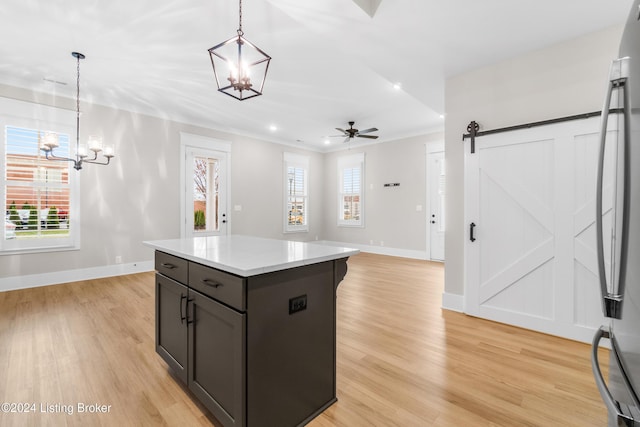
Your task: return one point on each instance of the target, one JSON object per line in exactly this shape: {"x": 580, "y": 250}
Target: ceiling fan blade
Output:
{"x": 368, "y": 130}
{"x": 368, "y": 136}
{"x": 342, "y": 130}
{"x": 347, "y": 139}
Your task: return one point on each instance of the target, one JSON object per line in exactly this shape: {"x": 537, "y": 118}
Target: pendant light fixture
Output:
{"x": 50, "y": 140}
{"x": 239, "y": 66}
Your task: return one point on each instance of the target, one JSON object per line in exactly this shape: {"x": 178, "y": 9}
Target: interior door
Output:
{"x": 205, "y": 192}
{"x": 436, "y": 185}
{"x": 530, "y": 254}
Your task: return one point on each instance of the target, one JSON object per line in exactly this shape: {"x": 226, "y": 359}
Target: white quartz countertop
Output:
{"x": 249, "y": 256}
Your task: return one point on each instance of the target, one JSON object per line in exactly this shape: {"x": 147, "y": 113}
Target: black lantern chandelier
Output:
{"x": 239, "y": 66}
{"x": 94, "y": 144}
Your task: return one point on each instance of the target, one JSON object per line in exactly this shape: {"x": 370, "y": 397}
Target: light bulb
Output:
{"x": 50, "y": 140}
{"x": 95, "y": 143}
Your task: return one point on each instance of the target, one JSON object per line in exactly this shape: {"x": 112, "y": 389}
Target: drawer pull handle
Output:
{"x": 211, "y": 283}
{"x": 168, "y": 265}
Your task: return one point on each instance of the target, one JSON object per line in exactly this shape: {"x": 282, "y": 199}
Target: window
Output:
{"x": 38, "y": 195}
{"x": 206, "y": 194}
{"x": 296, "y": 177}
{"x": 350, "y": 191}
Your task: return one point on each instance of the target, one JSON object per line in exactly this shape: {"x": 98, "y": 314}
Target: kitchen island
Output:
{"x": 248, "y": 324}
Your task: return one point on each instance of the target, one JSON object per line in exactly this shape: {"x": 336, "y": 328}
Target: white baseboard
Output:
{"x": 57, "y": 277}
{"x": 380, "y": 250}
{"x": 453, "y": 302}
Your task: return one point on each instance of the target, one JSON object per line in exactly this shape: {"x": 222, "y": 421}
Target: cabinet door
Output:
{"x": 171, "y": 326}
{"x": 217, "y": 358}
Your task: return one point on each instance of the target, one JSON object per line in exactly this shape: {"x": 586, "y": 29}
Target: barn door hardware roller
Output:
{"x": 474, "y": 132}
{"x": 472, "y": 128}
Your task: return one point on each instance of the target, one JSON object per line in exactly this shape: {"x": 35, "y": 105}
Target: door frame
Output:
{"x": 431, "y": 148}
{"x": 203, "y": 143}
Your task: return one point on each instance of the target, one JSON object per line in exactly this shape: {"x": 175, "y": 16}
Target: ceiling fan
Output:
{"x": 352, "y": 132}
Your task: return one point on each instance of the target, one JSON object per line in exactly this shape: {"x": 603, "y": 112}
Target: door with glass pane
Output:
{"x": 205, "y": 179}
{"x": 436, "y": 186}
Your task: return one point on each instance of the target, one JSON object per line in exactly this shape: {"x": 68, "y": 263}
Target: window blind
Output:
{"x": 296, "y": 193}
{"x": 350, "y": 194}
{"x": 37, "y": 191}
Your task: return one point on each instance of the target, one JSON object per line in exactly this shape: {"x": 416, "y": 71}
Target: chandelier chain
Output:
{"x": 78, "y": 104}
{"x": 240, "y": 32}
{"x": 95, "y": 142}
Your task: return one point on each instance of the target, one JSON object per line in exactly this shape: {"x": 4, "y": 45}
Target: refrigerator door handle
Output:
{"x": 612, "y": 301}
{"x": 612, "y": 405}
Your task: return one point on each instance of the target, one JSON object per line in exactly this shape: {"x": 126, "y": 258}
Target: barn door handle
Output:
{"x": 472, "y": 228}
{"x": 612, "y": 301}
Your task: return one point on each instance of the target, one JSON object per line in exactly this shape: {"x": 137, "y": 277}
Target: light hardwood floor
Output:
{"x": 402, "y": 361}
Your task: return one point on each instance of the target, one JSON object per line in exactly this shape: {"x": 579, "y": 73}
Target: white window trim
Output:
{"x": 37, "y": 116}
{"x": 191, "y": 141}
{"x": 351, "y": 161}
{"x": 298, "y": 161}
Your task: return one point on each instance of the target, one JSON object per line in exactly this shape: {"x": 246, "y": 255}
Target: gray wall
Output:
{"x": 137, "y": 198}
{"x": 562, "y": 80}
{"x": 390, "y": 213}
{"x": 257, "y": 177}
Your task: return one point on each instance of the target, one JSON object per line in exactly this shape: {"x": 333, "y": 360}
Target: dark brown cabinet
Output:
{"x": 171, "y": 329}
{"x": 256, "y": 351}
{"x": 217, "y": 358}
{"x": 202, "y": 340}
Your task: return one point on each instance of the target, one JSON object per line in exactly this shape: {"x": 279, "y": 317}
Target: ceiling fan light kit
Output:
{"x": 240, "y": 68}
{"x": 353, "y": 133}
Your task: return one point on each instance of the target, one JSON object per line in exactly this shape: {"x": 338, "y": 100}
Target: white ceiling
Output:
{"x": 332, "y": 61}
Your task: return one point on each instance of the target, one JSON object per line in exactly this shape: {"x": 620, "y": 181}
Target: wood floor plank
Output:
{"x": 401, "y": 359}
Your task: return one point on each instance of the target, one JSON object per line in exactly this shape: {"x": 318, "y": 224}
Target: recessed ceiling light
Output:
{"x": 397, "y": 86}
{"x": 273, "y": 128}
{"x": 327, "y": 142}
{"x": 442, "y": 116}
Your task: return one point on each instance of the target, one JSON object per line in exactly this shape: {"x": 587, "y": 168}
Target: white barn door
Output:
{"x": 530, "y": 218}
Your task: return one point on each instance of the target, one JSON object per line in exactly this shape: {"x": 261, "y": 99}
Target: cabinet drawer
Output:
{"x": 171, "y": 266}
{"x": 224, "y": 287}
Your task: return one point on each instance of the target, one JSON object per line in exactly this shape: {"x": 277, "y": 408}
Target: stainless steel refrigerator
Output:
{"x": 618, "y": 231}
